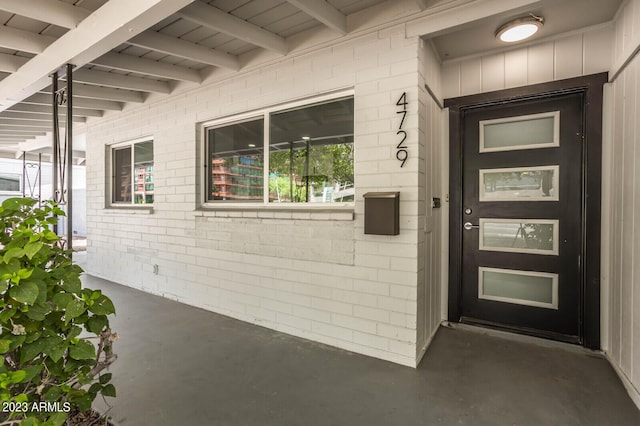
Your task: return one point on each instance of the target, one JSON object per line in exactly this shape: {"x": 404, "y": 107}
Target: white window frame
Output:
{"x": 265, "y": 115}
{"x": 110, "y": 173}
{"x": 20, "y": 183}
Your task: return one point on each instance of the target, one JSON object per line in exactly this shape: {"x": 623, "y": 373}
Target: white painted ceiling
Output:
{"x": 128, "y": 52}
{"x": 560, "y": 16}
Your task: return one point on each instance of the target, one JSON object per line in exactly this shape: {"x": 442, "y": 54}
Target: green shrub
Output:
{"x": 48, "y": 363}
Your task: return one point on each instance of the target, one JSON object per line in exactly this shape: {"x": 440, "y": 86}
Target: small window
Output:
{"x": 10, "y": 183}
{"x": 302, "y": 154}
{"x": 132, "y": 173}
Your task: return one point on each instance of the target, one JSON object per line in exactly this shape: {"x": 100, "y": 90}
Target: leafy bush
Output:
{"x": 48, "y": 364}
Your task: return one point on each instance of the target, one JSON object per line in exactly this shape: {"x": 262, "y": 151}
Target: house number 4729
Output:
{"x": 401, "y": 149}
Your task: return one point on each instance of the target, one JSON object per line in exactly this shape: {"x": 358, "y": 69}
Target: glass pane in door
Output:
{"x": 520, "y": 184}
{"x": 521, "y": 132}
{"x": 530, "y": 288}
{"x": 537, "y": 236}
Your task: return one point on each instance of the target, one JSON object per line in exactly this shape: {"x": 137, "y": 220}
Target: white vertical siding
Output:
{"x": 622, "y": 230}
{"x": 573, "y": 55}
{"x": 493, "y": 76}
{"x": 429, "y": 249}
{"x": 540, "y": 66}
{"x": 568, "y": 57}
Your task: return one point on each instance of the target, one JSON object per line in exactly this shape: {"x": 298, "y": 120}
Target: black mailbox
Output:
{"x": 382, "y": 213}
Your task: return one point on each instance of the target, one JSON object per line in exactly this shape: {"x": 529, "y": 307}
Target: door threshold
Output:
{"x": 523, "y": 338}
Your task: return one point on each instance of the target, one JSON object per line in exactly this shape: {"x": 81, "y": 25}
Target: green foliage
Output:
{"x": 48, "y": 363}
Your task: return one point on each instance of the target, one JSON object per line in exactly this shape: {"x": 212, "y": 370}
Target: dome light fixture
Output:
{"x": 520, "y": 29}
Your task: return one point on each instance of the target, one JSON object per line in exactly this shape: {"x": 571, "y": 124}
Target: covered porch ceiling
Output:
{"x": 126, "y": 53}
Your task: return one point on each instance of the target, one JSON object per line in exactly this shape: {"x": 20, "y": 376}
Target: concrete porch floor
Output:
{"x": 179, "y": 365}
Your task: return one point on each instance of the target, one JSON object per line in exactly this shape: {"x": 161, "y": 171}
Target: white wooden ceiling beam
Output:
{"x": 106, "y": 93}
{"x": 16, "y": 137}
{"x": 323, "y": 12}
{"x": 35, "y": 133}
{"x": 8, "y": 122}
{"x": 425, "y": 4}
{"x": 108, "y": 27}
{"x": 218, "y": 20}
{"x": 42, "y": 99}
{"x": 184, "y": 49}
{"x": 44, "y": 109}
{"x": 36, "y": 116}
{"x": 52, "y": 11}
{"x": 23, "y": 132}
{"x": 24, "y": 41}
{"x": 11, "y": 63}
{"x": 24, "y": 128}
{"x": 24, "y": 116}
{"x": 454, "y": 14}
{"x": 130, "y": 63}
{"x": 120, "y": 81}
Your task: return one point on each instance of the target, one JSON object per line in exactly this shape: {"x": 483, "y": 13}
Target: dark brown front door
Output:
{"x": 521, "y": 200}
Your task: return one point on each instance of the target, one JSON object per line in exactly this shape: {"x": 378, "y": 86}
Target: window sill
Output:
{"x": 291, "y": 212}
{"x": 115, "y": 209}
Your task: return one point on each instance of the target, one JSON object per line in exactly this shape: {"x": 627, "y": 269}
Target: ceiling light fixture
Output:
{"x": 520, "y": 29}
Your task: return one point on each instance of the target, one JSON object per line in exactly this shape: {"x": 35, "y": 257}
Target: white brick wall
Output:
{"x": 311, "y": 274}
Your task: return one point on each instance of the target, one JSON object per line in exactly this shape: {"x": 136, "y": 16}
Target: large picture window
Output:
{"x": 132, "y": 173}
{"x": 302, "y": 154}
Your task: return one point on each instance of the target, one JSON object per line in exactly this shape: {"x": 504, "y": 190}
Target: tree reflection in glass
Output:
{"x": 536, "y": 236}
{"x": 532, "y": 183}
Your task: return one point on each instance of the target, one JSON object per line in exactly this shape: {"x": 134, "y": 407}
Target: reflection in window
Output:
{"x": 519, "y": 184}
{"x": 9, "y": 182}
{"x": 519, "y": 235}
{"x": 311, "y": 154}
{"x": 122, "y": 175}
{"x": 235, "y": 155}
{"x": 132, "y": 171}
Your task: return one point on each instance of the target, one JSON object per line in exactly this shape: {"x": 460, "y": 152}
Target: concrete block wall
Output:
{"x": 306, "y": 272}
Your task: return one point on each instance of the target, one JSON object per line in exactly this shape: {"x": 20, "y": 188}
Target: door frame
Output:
{"x": 591, "y": 87}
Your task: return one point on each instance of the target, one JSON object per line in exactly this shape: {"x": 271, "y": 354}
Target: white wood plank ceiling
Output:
{"x": 124, "y": 50}
{"x": 127, "y": 52}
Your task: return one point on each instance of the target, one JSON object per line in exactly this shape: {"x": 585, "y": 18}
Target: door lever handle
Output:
{"x": 469, "y": 226}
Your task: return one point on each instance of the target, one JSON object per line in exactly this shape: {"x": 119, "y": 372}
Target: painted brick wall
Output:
{"x": 311, "y": 274}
